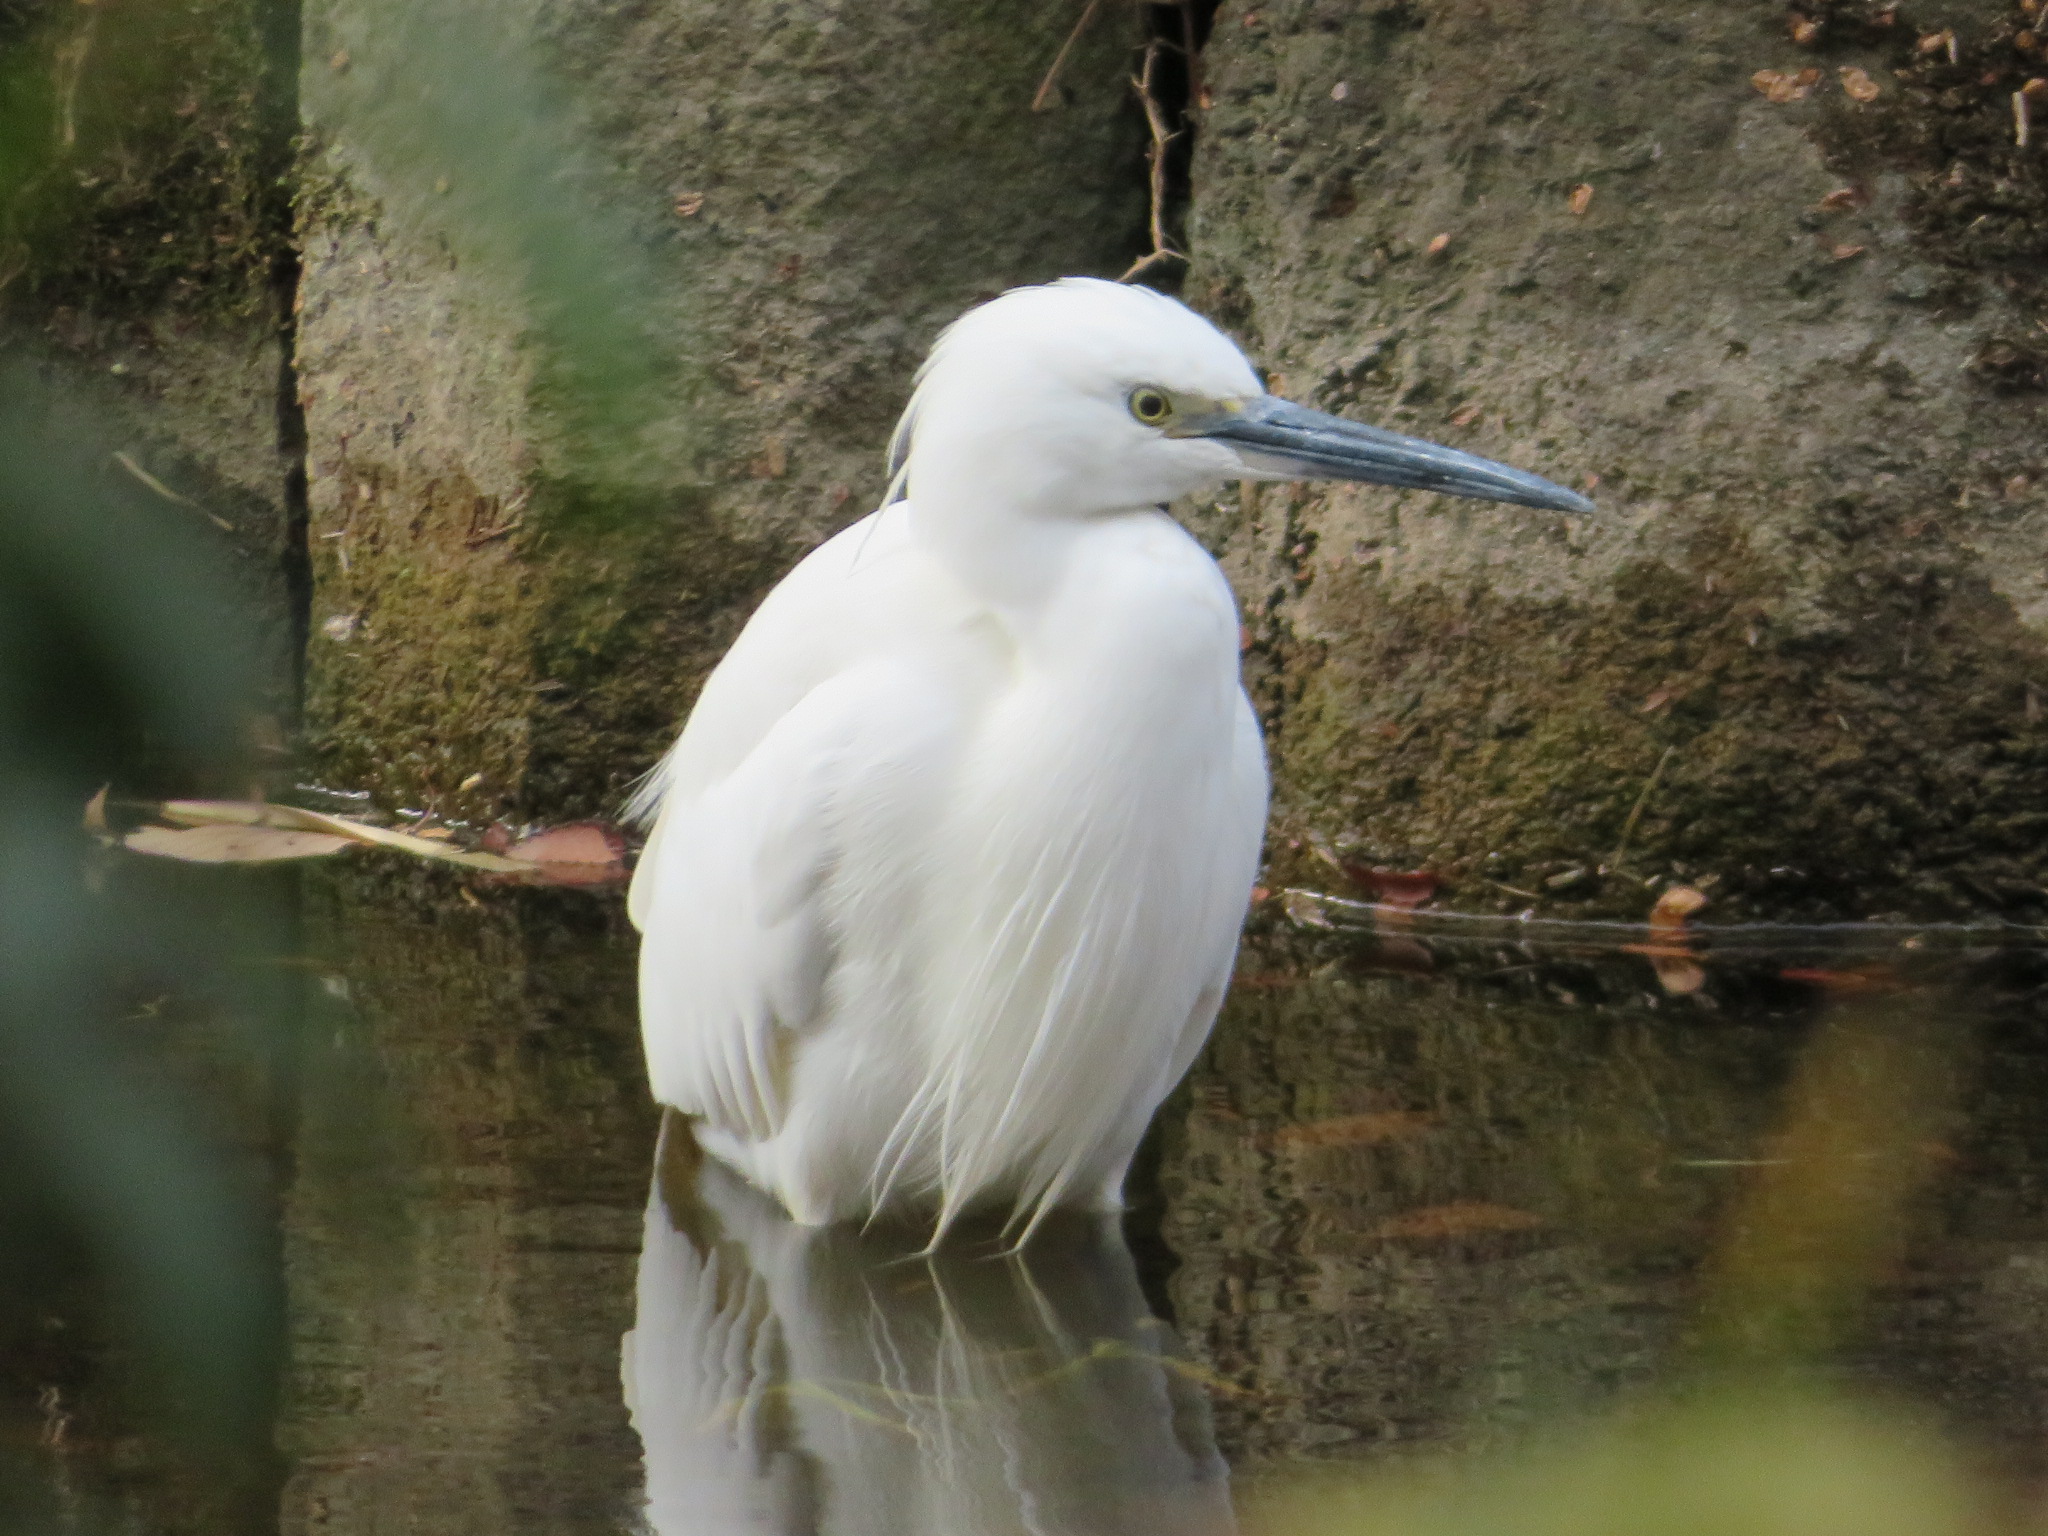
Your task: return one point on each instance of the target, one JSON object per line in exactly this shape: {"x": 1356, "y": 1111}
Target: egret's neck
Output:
{"x": 1005, "y": 525}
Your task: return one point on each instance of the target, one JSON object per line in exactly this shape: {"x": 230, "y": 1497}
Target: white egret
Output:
{"x": 945, "y": 883}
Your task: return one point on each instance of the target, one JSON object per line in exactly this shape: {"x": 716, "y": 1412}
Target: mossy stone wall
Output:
{"x": 145, "y": 261}
{"x": 1796, "y": 658}
{"x": 607, "y": 312}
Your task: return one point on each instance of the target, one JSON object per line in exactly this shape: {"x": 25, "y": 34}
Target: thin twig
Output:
{"x": 1628, "y": 827}
{"x": 1052, "y": 75}
{"x": 1163, "y": 135}
{"x": 127, "y": 462}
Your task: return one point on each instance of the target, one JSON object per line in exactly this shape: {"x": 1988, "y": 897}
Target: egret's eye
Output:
{"x": 1150, "y": 405}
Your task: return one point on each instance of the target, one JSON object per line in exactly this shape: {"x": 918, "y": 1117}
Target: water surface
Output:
{"x": 1426, "y": 1190}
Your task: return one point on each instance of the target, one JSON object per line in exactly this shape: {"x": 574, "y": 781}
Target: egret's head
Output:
{"x": 1086, "y": 396}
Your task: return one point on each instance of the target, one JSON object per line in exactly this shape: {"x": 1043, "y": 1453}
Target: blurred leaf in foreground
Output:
{"x": 1725, "y": 1465}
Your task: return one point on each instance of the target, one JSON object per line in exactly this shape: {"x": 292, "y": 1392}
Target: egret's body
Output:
{"x": 950, "y": 860}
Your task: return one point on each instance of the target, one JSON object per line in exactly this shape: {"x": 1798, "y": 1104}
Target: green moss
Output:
{"x": 535, "y": 674}
{"x": 644, "y": 594}
{"x": 1884, "y": 762}
{"x": 142, "y": 159}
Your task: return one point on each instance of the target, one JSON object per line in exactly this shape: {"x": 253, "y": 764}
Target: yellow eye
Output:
{"x": 1150, "y": 405}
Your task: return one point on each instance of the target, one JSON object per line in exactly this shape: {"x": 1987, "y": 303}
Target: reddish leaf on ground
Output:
{"x": 1670, "y": 950}
{"x": 1393, "y": 887}
{"x": 1460, "y": 1218}
{"x": 579, "y": 853}
{"x": 1668, "y": 916}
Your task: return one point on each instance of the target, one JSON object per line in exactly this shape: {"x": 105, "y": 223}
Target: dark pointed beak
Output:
{"x": 1283, "y": 441}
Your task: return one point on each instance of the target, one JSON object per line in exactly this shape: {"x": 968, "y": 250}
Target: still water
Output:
{"x": 1427, "y": 1190}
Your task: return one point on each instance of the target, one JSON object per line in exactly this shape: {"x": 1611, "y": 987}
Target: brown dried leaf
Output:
{"x": 1858, "y": 83}
{"x": 233, "y": 845}
{"x": 1582, "y": 197}
{"x": 1439, "y": 245}
{"x": 1846, "y": 252}
{"x": 1842, "y": 199}
{"x": 1460, "y": 1218}
{"x": 1352, "y": 1130}
{"x": 255, "y": 813}
{"x": 689, "y": 204}
{"x": 1804, "y": 29}
{"x": 1783, "y": 85}
{"x": 1466, "y": 417}
{"x": 1406, "y": 888}
{"x": 579, "y": 853}
{"x": 1668, "y": 916}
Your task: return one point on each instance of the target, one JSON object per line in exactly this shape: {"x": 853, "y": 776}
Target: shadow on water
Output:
{"x": 787, "y": 1380}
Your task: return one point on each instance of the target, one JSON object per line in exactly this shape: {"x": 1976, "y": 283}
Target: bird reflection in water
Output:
{"x": 789, "y": 1379}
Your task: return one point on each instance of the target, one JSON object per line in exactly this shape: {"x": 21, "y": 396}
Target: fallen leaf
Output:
{"x": 1668, "y": 916}
{"x": 255, "y": 813}
{"x": 1658, "y": 698}
{"x": 1783, "y": 85}
{"x": 232, "y": 845}
{"x": 578, "y": 842}
{"x": 1439, "y": 245}
{"x": 1405, "y": 888}
{"x": 1846, "y": 252}
{"x": 1582, "y": 197}
{"x": 689, "y": 204}
{"x": 1671, "y": 957}
{"x": 1460, "y": 1218}
{"x": 2035, "y": 89}
{"x": 1858, "y": 83}
{"x": 580, "y": 853}
{"x": 1842, "y": 199}
{"x": 1352, "y": 1130}
{"x": 1804, "y": 29}
{"x": 1466, "y": 417}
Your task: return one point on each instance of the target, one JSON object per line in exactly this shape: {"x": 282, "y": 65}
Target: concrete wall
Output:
{"x": 1793, "y": 345}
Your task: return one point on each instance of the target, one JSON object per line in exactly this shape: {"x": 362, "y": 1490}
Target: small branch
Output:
{"x": 1163, "y": 135}
{"x": 1628, "y": 827}
{"x": 127, "y": 462}
{"x": 1040, "y": 101}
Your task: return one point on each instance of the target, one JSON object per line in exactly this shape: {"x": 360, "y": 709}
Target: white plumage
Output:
{"x": 944, "y": 887}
